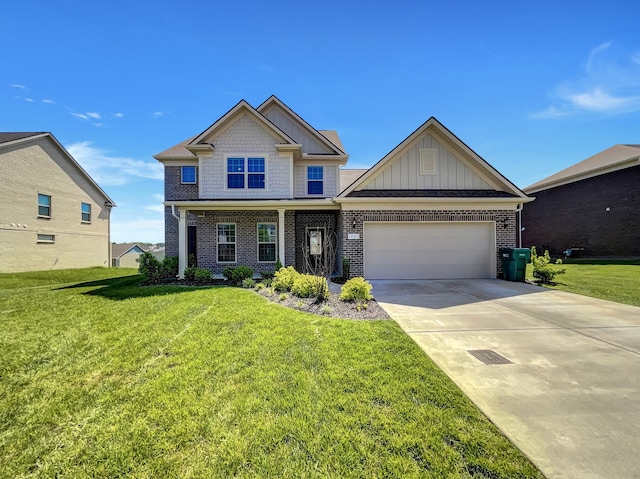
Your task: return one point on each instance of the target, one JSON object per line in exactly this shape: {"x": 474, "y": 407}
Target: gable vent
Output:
{"x": 428, "y": 161}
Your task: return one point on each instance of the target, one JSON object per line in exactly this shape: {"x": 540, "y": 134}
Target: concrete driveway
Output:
{"x": 569, "y": 396}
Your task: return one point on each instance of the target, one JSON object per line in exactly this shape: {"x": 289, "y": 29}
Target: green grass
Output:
{"x": 108, "y": 379}
{"x": 617, "y": 281}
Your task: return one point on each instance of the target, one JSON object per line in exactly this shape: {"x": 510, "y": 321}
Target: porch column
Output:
{"x": 182, "y": 242}
{"x": 281, "y": 227}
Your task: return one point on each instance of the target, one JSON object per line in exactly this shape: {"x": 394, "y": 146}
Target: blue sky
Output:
{"x": 532, "y": 88}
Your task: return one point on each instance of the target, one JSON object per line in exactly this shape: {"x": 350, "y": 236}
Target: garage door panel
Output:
{"x": 429, "y": 250}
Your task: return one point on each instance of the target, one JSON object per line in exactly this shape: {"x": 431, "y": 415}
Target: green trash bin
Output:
{"x": 514, "y": 263}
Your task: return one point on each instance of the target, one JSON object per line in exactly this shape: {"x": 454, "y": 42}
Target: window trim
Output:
{"x": 245, "y": 173}
{"x": 235, "y": 243}
{"x": 315, "y": 180}
{"x": 82, "y": 213}
{"x": 40, "y": 205}
{"x": 195, "y": 175}
{"x": 274, "y": 242}
{"x": 50, "y": 238}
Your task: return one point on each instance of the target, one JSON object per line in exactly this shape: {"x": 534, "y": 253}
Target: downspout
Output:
{"x": 173, "y": 211}
{"x": 519, "y": 210}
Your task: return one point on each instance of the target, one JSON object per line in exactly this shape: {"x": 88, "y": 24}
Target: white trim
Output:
{"x": 307, "y": 180}
{"x": 258, "y": 242}
{"x": 195, "y": 181}
{"x": 281, "y": 236}
{"x": 235, "y": 243}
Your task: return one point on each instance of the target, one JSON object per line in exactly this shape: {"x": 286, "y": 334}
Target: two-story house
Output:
{"x": 52, "y": 213}
{"x": 261, "y": 184}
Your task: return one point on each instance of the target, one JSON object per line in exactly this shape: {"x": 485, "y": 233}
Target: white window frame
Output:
{"x": 46, "y": 238}
{"x": 315, "y": 180}
{"x": 195, "y": 176}
{"x": 82, "y": 213}
{"x": 235, "y": 243}
{"x": 274, "y": 242}
{"x": 246, "y": 172}
{"x": 50, "y": 205}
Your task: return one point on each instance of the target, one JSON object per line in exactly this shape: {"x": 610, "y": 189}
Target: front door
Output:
{"x": 192, "y": 252}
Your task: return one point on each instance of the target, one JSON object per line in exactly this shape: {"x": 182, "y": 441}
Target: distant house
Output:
{"x": 261, "y": 184}
{"x": 126, "y": 255}
{"x": 592, "y": 207}
{"x": 52, "y": 213}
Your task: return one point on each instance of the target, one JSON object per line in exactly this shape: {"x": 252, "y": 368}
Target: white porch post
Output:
{"x": 182, "y": 242}
{"x": 281, "y": 248}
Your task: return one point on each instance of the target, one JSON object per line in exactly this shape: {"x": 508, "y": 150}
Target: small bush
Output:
{"x": 326, "y": 310}
{"x": 150, "y": 267}
{"x": 543, "y": 270}
{"x": 356, "y": 289}
{"x": 203, "y": 275}
{"x": 267, "y": 274}
{"x": 278, "y": 265}
{"x": 238, "y": 274}
{"x": 170, "y": 267}
{"x": 267, "y": 282}
{"x": 346, "y": 269}
{"x": 310, "y": 286}
{"x": 260, "y": 286}
{"x": 248, "y": 283}
{"x": 284, "y": 278}
{"x": 283, "y": 296}
{"x": 190, "y": 273}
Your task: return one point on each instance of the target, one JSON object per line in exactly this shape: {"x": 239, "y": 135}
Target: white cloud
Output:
{"x": 158, "y": 114}
{"x": 49, "y": 101}
{"x": 21, "y": 87}
{"x": 118, "y": 115}
{"x": 94, "y": 115}
{"x": 159, "y": 206}
{"x": 109, "y": 170}
{"x": 608, "y": 84}
{"x": 30, "y": 100}
{"x": 79, "y": 115}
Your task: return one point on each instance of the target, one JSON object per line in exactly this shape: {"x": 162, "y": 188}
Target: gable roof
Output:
{"x": 120, "y": 249}
{"x": 325, "y": 139}
{"x": 482, "y": 167}
{"x": 7, "y": 138}
{"x": 612, "y": 159}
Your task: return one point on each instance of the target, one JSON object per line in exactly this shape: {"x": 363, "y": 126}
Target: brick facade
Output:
{"x": 174, "y": 189}
{"x": 576, "y": 216}
{"x": 354, "y": 248}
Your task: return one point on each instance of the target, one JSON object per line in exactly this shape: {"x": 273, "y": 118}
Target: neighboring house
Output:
{"x": 126, "y": 255}
{"x": 261, "y": 184}
{"x": 592, "y": 207}
{"x": 52, "y": 214}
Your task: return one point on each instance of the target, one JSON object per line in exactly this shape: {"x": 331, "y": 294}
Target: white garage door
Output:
{"x": 429, "y": 250}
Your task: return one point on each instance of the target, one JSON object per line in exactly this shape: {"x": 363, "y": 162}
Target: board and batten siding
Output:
{"x": 244, "y": 138}
{"x": 404, "y": 172}
{"x": 295, "y": 131}
{"x": 330, "y": 181}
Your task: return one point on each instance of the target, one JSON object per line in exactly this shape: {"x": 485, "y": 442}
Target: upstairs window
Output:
{"x": 315, "y": 180}
{"x": 245, "y": 173}
{"x": 188, "y": 175}
{"x": 44, "y": 206}
{"x": 46, "y": 238}
{"x": 86, "y": 212}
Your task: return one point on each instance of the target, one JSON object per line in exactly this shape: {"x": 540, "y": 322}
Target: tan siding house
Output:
{"x": 52, "y": 213}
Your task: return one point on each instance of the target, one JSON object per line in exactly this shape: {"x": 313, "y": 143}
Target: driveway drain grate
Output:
{"x": 488, "y": 356}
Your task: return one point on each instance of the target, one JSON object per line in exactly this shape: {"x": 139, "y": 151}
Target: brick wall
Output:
{"x": 353, "y": 249}
{"x": 38, "y": 166}
{"x": 174, "y": 189}
{"x": 575, "y": 215}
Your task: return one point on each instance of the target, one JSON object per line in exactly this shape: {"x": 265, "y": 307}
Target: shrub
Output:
{"x": 190, "y": 273}
{"x": 203, "y": 275}
{"x": 260, "y": 286}
{"x": 356, "y": 289}
{"x": 248, "y": 283}
{"x": 283, "y": 296}
{"x": 543, "y": 270}
{"x": 267, "y": 274}
{"x": 170, "y": 267}
{"x": 278, "y": 265}
{"x": 310, "y": 286}
{"x": 238, "y": 274}
{"x": 284, "y": 278}
{"x": 346, "y": 269}
{"x": 150, "y": 267}
{"x": 267, "y": 282}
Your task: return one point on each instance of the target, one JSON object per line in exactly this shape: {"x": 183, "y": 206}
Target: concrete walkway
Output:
{"x": 570, "y": 396}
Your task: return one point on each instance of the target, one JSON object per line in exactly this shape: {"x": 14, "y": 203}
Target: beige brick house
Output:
{"x": 261, "y": 185}
{"x": 53, "y": 215}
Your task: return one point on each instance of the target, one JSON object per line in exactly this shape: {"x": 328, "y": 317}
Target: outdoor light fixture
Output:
{"x": 353, "y": 225}
{"x": 505, "y": 223}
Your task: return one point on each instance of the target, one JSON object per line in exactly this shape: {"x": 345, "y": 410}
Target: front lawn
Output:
{"x": 109, "y": 379}
{"x": 617, "y": 281}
